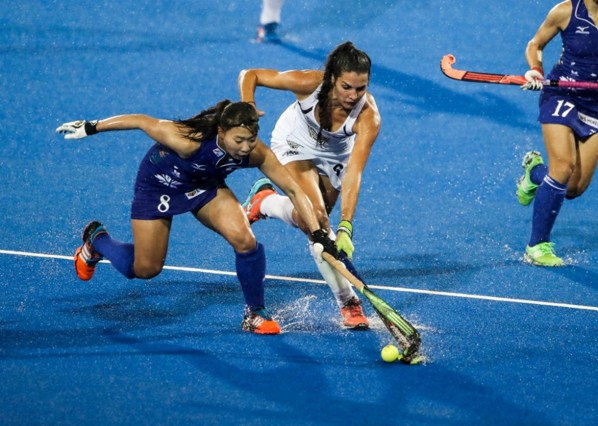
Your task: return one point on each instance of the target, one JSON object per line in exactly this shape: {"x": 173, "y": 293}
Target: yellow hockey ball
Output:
{"x": 389, "y": 353}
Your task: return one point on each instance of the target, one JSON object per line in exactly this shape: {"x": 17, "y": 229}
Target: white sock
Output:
{"x": 271, "y": 11}
{"x": 341, "y": 288}
{"x": 278, "y": 207}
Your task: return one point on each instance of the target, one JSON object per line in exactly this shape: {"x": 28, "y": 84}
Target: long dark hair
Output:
{"x": 225, "y": 114}
{"x": 344, "y": 58}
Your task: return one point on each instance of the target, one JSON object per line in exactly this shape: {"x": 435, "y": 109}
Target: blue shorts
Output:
{"x": 157, "y": 203}
{"x": 562, "y": 108}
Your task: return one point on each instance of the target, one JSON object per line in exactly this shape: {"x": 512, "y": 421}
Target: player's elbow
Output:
{"x": 245, "y": 75}
{"x": 533, "y": 46}
{"x": 241, "y": 76}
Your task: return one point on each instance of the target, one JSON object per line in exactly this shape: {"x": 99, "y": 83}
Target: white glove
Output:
{"x": 78, "y": 129}
{"x": 534, "y": 79}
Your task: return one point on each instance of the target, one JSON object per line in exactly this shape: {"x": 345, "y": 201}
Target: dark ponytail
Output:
{"x": 344, "y": 58}
{"x": 225, "y": 114}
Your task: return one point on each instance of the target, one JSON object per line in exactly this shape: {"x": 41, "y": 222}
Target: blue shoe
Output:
{"x": 261, "y": 189}
{"x": 267, "y": 33}
{"x": 526, "y": 189}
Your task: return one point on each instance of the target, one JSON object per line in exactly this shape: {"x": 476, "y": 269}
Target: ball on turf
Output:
{"x": 389, "y": 353}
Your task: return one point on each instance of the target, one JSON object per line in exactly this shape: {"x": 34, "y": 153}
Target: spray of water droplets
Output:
{"x": 297, "y": 315}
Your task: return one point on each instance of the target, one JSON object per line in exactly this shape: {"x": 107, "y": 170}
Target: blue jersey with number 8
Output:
{"x": 168, "y": 185}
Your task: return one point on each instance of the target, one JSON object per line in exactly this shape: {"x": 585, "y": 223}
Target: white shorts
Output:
{"x": 291, "y": 141}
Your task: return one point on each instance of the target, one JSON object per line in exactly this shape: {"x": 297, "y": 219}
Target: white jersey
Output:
{"x": 294, "y": 138}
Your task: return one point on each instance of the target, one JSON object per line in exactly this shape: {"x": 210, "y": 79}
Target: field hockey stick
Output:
{"x": 446, "y": 65}
{"x": 401, "y": 329}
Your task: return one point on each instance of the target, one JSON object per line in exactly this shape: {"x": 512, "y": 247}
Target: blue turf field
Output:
{"x": 439, "y": 233}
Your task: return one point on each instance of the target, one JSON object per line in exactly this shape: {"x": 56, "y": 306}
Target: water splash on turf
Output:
{"x": 297, "y": 315}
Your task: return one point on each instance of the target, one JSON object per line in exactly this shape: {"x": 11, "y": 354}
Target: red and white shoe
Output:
{"x": 259, "y": 321}
{"x": 353, "y": 316}
{"x": 86, "y": 257}
{"x": 261, "y": 189}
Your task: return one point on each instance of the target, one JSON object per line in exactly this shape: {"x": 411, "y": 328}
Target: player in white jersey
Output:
{"x": 324, "y": 139}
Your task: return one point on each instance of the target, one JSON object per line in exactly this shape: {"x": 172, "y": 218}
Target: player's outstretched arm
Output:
{"x": 82, "y": 128}
{"x": 301, "y": 83}
{"x": 165, "y": 132}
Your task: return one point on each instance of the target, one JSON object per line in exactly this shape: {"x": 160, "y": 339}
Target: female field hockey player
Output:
{"x": 183, "y": 172}
{"x": 324, "y": 140}
{"x": 569, "y": 121}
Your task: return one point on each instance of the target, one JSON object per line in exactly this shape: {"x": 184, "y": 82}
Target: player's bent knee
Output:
{"x": 575, "y": 190}
{"x": 571, "y": 195}
{"x": 244, "y": 245}
{"x": 562, "y": 172}
{"x": 147, "y": 271}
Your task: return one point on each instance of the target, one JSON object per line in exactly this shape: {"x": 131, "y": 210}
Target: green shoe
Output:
{"x": 542, "y": 254}
{"x": 526, "y": 189}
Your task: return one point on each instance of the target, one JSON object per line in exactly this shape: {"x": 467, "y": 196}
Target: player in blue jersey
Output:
{"x": 569, "y": 119}
{"x": 185, "y": 171}
{"x": 324, "y": 139}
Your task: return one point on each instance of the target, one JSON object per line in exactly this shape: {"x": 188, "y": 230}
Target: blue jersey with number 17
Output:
{"x": 574, "y": 108}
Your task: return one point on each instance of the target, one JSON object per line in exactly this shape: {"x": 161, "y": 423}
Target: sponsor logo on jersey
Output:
{"x": 192, "y": 194}
{"x": 293, "y": 145}
{"x": 582, "y": 30}
{"x": 590, "y": 121}
{"x": 228, "y": 163}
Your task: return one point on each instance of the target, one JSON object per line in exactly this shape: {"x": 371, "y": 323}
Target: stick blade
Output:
{"x": 446, "y": 66}
{"x": 401, "y": 329}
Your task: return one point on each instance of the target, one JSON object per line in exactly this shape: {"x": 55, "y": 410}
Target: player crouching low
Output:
{"x": 185, "y": 172}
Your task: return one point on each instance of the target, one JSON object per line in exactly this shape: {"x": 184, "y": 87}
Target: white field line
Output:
{"x": 308, "y": 280}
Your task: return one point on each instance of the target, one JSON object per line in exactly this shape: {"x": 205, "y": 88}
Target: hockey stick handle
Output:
{"x": 571, "y": 84}
{"x": 340, "y": 267}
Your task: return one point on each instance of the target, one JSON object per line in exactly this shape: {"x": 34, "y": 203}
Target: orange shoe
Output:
{"x": 259, "y": 321}
{"x": 353, "y": 316}
{"x": 86, "y": 257}
{"x": 261, "y": 189}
